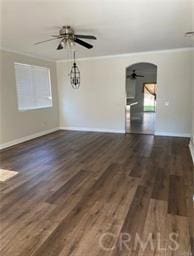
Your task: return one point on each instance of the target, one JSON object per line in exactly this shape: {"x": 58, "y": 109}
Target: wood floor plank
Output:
{"x": 179, "y": 225}
{"x": 165, "y": 234}
{"x": 138, "y": 167}
{"x": 134, "y": 220}
{"x": 177, "y": 196}
{"x": 68, "y": 186}
{"x": 155, "y": 237}
{"x": 161, "y": 186}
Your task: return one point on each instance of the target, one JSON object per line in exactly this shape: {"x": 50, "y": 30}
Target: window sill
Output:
{"x": 31, "y": 109}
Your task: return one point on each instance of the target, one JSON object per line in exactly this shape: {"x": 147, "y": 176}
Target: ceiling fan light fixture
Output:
{"x": 71, "y": 43}
{"x": 61, "y": 45}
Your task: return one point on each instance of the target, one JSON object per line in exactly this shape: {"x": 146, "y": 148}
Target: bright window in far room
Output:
{"x": 149, "y": 91}
{"x": 33, "y": 87}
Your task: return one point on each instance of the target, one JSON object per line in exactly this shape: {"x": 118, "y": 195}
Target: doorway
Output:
{"x": 141, "y": 98}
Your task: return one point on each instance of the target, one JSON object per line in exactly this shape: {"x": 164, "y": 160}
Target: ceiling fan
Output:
{"x": 134, "y": 75}
{"x": 68, "y": 37}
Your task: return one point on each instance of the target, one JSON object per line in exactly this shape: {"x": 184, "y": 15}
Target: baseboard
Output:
{"x": 26, "y": 138}
{"x": 86, "y": 129}
{"x": 171, "y": 134}
{"x": 191, "y": 146}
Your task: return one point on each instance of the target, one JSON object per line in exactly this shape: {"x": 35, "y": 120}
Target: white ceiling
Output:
{"x": 121, "y": 26}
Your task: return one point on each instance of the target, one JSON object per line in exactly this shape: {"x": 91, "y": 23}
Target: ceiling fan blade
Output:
{"x": 83, "y": 43}
{"x": 56, "y": 36}
{"x": 45, "y": 41}
{"x": 139, "y": 76}
{"x": 56, "y": 27}
{"x": 60, "y": 46}
{"x": 86, "y": 37}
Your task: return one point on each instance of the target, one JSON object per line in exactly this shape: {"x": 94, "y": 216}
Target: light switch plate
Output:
{"x": 166, "y": 103}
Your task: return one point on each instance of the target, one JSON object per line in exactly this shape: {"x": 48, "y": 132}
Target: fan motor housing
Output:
{"x": 66, "y": 31}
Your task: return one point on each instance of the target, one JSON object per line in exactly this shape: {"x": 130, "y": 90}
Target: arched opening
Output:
{"x": 141, "y": 98}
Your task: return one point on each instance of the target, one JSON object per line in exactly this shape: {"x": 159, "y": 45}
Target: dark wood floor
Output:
{"x": 144, "y": 125}
{"x": 94, "y": 194}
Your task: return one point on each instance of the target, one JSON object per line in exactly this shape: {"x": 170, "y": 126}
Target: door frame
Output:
{"x": 156, "y": 82}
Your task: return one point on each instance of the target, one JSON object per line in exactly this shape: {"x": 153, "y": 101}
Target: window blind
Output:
{"x": 33, "y": 87}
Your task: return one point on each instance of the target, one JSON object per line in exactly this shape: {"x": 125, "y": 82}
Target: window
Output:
{"x": 33, "y": 87}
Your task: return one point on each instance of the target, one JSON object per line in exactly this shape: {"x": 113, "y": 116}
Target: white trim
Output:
{"x": 171, "y": 134}
{"x": 96, "y": 57}
{"x": 27, "y": 54}
{"x": 128, "y": 54}
{"x": 191, "y": 147}
{"x": 87, "y": 129}
{"x": 26, "y": 138}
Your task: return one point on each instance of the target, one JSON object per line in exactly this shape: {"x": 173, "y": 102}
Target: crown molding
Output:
{"x": 97, "y": 57}
{"x": 129, "y": 54}
{"x": 27, "y": 54}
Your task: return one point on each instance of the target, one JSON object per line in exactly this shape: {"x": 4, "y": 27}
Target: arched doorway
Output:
{"x": 141, "y": 97}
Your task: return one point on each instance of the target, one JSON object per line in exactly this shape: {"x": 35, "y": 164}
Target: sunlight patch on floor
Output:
{"x": 6, "y": 174}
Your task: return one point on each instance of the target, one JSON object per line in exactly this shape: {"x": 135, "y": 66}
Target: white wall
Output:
{"x": 16, "y": 124}
{"x": 99, "y": 104}
{"x": 192, "y": 135}
{"x": 1, "y": 88}
{"x": 193, "y": 70}
{"x": 192, "y": 138}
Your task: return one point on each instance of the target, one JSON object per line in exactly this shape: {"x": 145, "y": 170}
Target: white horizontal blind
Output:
{"x": 33, "y": 87}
